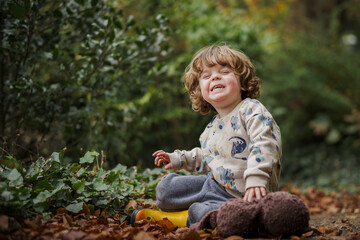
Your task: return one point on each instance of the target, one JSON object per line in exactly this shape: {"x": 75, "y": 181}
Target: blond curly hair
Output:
{"x": 223, "y": 55}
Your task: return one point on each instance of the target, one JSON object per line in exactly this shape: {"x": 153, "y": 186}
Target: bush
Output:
{"x": 71, "y": 72}
{"x": 49, "y": 184}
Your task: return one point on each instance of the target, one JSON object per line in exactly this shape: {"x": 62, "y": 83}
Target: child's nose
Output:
{"x": 216, "y": 76}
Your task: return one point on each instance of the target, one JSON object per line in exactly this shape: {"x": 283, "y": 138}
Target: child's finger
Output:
{"x": 263, "y": 192}
{"x": 257, "y": 193}
{"x": 168, "y": 166}
{"x": 246, "y": 195}
{"x": 157, "y": 161}
{"x": 250, "y": 195}
{"x": 157, "y": 152}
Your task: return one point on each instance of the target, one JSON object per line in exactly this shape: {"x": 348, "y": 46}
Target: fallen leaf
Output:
{"x": 143, "y": 236}
{"x": 166, "y": 224}
{"x": 30, "y": 223}
{"x": 192, "y": 235}
{"x": 97, "y": 213}
{"x": 132, "y": 204}
{"x": 74, "y": 235}
{"x": 86, "y": 210}
{"x": 234, "y": 238}
{"x": 102, "y": 220}
{"x": 61, "y": 210}
{"x": 4, "y": 222}
{"x": 66, "y": 222}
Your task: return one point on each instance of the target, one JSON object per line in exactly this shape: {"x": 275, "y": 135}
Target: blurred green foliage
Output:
{"x": 106, "y": 75}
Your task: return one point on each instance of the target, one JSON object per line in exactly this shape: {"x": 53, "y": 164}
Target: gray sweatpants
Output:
{"x": 198, "y": 194}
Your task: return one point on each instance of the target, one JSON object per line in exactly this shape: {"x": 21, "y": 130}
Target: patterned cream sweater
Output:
{"x": 242, "y": 150}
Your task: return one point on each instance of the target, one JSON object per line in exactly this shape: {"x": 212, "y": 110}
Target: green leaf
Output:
{"x": 99, "y": 184}
{"x": 11, "y": 162}
{"x": 101, "y": 203}
{"x": 15, "y": 178}
{"x": 42, "y": 197}
{"x": 75, "y": 207}
{"x": 89, "y": 157}
{"x": 91, "y": 208}
{"x": 58, "y": 156}
{"x": 130, "y": 22}
{"x": 14, "y": 175}
{"x": 23, "y": 193}
{"x": 44, "y": 184}
{"x": 61, "y": 154}
{"x": 119, "y": 169}
{"x": 75, "y": 167}
{"x": 79, "y": 186}
{"x": 41, "y": 207}
{"x": 55, "y": 157}
{"x": 17, "y": 10}
{"x": 33, "y": 172}
{"x": 7, "y": 196}
{"x": 81, "y": 172}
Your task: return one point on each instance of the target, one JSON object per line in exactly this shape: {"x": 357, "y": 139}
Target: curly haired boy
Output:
{"x": 240, "y": 148}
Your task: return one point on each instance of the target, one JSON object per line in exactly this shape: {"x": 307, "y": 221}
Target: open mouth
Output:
{"x": 218, "y": 86}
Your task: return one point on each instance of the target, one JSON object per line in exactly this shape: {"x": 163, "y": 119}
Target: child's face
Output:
{"x": 220, "y": 87}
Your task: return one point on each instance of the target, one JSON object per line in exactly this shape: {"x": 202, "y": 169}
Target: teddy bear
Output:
{"x": 277, "y": 214}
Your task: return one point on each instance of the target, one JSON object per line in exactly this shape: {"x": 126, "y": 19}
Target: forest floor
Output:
{"x": 334, "y": 215}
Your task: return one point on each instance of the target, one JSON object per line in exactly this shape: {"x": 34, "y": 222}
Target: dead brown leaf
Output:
{"x": 191, "y": 235}
{"x": 234, "y": 238}
{"x": 166, "y": 224}
{"x": 4, "y": 222}
{"x": 132, "y": 204}
{"x": 143, "y": 236}
{"x": 61, "y": 211}
{"x": 74, "y": 235}
{"x": 86, "y": 210}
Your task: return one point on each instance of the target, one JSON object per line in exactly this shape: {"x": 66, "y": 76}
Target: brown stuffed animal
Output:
{"x": 277, "y": 214}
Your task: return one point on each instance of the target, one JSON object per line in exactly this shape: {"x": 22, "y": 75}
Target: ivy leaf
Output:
{"x": 55, "y": 157}
{"x": 7, "y": 196}
{"x": 89, "y": 157}
{"x": 75, "y": 207}
{"x": 14, "y": 175}
{"x": 42, "y": 197}
{"x": 79, "y": 186}
{"x": 101, "y": 203}
{"x": 99, "y": 185}
{"x": 11, "y": 162}
{"x": 15, "y": 178}
{"x": 119, "y": 169}
{"x": 81, "y": 172}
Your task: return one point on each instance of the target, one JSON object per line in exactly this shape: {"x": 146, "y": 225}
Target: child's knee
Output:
{"x": 163, "y": 190}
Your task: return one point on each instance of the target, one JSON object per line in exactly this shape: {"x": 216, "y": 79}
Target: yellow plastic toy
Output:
{"x": 179, "y": 219}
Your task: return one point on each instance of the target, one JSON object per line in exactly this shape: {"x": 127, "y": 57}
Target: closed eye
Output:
{"x": 225, "y": 71}
{"x": 205, "y": 76}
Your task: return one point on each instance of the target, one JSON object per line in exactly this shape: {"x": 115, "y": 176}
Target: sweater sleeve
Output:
{"x": 189, "y": 160}
{"x": 265, "y": 145}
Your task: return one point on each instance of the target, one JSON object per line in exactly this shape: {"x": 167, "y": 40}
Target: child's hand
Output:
{"x": 162, "y": 157}
{"x": 254, "y": 192}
